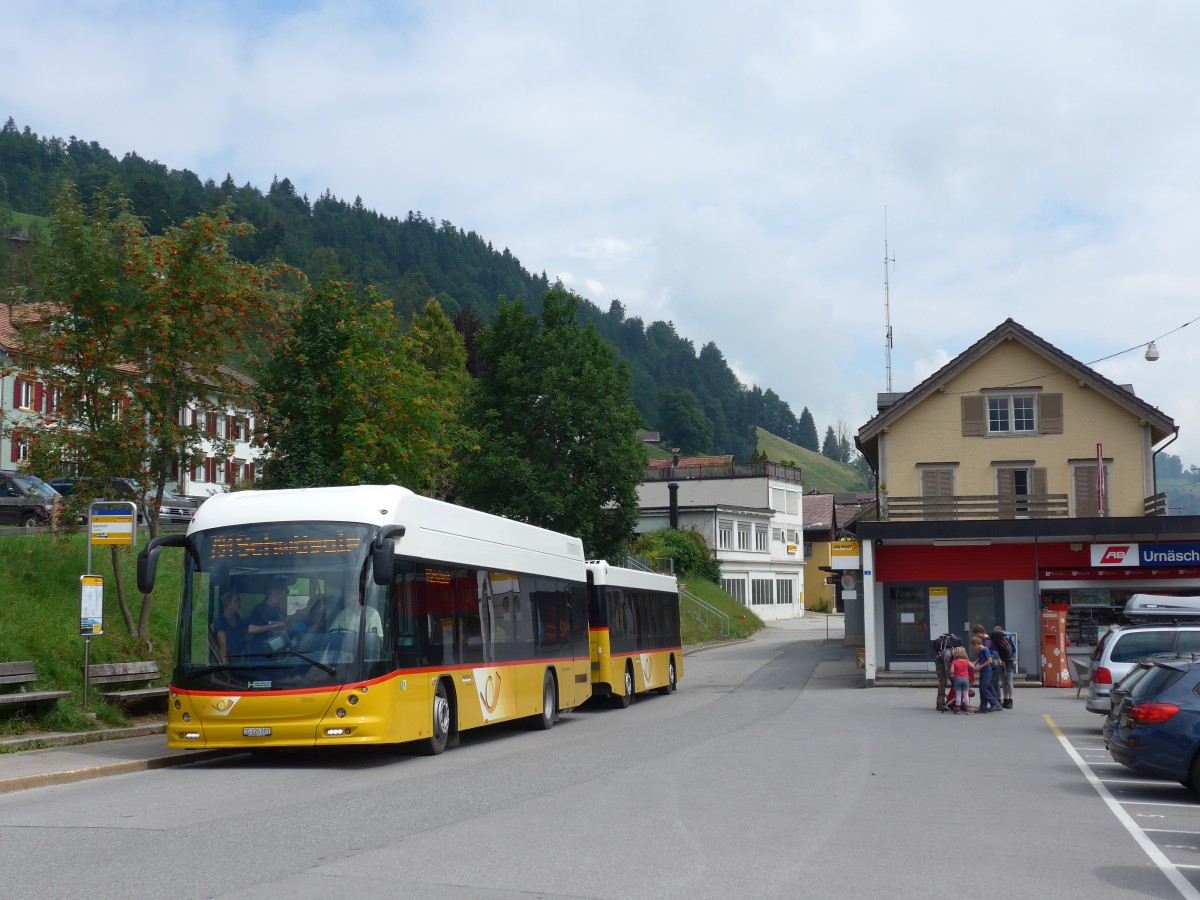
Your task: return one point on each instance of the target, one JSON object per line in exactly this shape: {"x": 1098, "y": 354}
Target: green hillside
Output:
{"x": 821, "y": 474}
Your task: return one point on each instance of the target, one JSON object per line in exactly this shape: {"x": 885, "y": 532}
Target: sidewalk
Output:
{"x": 65, "y": 758}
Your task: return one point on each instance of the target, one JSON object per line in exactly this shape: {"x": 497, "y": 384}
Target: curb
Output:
{"x": 45, "y": 779}
{"x": 68, "y": 739}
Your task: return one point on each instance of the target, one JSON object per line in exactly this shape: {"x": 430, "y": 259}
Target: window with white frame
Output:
{"x": 760, "y": 592}
{"x": 793, "y": 537}
{"x": 735, "y": 588}
{"x": 1012, "y": 413}
{"x": 52, "y": 399}
{"x": 777, "y": 535}
{"x": 778, "y": 502}
{"x": 23, "y": 394}
{"x": 783, "y": 591}
{"x": 743, "y": 535}
{"x": 793, "y": 503}
{"x": 760, "y": 538}
{"x": 808, "y": 549}
{"x": 725, "y": 534}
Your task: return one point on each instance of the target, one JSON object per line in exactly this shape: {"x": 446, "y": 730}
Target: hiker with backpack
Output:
{"x": 1008, "y": 664}
{"x": 943, "y": 657}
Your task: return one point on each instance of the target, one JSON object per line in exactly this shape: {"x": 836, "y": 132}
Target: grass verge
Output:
{"x": 39, "y": 620}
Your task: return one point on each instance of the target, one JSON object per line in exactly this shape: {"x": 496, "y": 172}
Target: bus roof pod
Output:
{"x": 1157, "y": 607}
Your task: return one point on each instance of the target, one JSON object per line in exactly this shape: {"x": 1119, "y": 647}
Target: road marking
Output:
{"x": 1147, "y": 782}
{"x": 1156, "y": 803}
{"x": 1168, "y": 831}
{"x": 1143, "y": 840}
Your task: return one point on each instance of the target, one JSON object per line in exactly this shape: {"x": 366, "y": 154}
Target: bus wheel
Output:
{"x": 670, "y": 685}
{"x": 623, "y": 700}
{"x": 545, "y": 720}
{"x": 436, "y": 742}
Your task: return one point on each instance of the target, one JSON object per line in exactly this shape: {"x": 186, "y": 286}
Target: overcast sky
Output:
{"x": 722, "y": 166}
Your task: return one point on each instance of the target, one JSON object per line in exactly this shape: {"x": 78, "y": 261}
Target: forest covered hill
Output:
{"x": 692, "y": 397}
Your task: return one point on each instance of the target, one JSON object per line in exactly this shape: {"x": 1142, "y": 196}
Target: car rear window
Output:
{"x": 1135, "y": 674}
{"x": 1156, "y": 680}
{"x": 1189, "y": 642}
{"x": 1133, "y": 646}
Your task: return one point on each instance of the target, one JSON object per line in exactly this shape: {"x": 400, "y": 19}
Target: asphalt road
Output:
{"x": 767, "y": 775}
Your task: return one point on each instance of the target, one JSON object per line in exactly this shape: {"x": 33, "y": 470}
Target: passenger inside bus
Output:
{"x": 351, "y": 614}
{"x": 231, "y": 635}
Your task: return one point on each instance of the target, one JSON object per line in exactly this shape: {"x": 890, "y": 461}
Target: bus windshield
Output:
{"x": 279, "y": 605}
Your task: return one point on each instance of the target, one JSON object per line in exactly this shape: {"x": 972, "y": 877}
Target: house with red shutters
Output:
{"x": 227, "y": 453}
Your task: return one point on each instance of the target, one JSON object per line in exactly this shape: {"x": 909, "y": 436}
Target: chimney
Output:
{"x": 674, "y": 489}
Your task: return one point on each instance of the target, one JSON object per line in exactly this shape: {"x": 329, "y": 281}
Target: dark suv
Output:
{"x": 25, "y": 500}
{"x": 1157, "y": 725}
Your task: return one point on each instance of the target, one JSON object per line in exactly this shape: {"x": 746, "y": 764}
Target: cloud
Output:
{"x": 725, "y": 170}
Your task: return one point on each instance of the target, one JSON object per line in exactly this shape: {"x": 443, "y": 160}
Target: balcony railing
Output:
{"x": 774, "y": 471}
{"x": 963, "y": 506}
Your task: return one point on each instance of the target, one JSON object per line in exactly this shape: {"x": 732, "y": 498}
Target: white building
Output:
{"x": 751, "y": 517}
{"x": 26, "y": 397}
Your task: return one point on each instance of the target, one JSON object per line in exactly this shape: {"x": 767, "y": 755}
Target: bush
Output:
{"x": 687, "y": 548}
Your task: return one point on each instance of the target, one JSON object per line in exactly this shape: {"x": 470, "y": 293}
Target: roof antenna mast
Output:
{"x": 887, "y": 305}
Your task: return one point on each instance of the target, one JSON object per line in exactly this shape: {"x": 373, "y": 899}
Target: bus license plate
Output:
{"x": 257, "y": 731}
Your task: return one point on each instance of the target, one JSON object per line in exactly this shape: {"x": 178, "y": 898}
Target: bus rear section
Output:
{"x": 634, "y": 632}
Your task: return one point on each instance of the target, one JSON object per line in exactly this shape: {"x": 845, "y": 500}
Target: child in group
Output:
{"x": 960, "y": 671}
{"x": 985, "y": 665}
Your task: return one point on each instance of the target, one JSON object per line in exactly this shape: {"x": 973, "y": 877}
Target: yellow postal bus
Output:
{"x": 369, "y": 614}
{"x": 634, "y": 625}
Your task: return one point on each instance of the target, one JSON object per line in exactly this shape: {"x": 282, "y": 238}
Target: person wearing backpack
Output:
{"x": 943, "y": 657}
{"x": 1008, "y": 665}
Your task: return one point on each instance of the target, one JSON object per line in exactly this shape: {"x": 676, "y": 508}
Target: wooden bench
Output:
{"x": 18, "y": 675}
{"x": 145, "y": 673}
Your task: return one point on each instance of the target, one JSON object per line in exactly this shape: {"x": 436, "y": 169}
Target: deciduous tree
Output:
{"x": 557, "y": 431}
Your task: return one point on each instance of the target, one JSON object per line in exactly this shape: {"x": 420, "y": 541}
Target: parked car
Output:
{"x": 26, "y": 500}
{"x": 1119, "y": 690}
{"x": 175, "y": 509}
{"x": 1122, "y": 646}
{"x": 1158, "y": 721}
{"x": 125, "y": 489}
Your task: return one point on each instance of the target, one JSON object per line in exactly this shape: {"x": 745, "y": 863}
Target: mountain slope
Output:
{"x": 821, "y": 474}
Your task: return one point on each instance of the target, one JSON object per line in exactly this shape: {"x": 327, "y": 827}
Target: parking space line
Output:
{"x": 1168, "y": 831}
{"x": 1169, "y": 869}
{"x": 1155, "y": 802}
{"x": 1142, "y": 781}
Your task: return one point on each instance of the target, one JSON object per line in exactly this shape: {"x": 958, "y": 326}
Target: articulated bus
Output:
{"x": 634, "y": 627}
{"x": 369, "y": 615}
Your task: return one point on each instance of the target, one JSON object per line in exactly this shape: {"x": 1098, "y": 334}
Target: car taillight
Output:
{"x": 1152, "y": 713}
{"x": 1102, "y": 676}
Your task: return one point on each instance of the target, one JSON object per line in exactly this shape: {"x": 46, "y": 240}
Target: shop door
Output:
{"x": 908, "y": 618}
{"x": 975, "y": 604}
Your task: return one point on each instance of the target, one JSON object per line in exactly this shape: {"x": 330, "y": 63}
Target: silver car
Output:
{"x": 1120, "y": 649}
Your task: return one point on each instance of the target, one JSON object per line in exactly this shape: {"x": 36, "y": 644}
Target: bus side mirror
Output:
{"x": 147, "y": 561}
{"x": 383, "y": 554}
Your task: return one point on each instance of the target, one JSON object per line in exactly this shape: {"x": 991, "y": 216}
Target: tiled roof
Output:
{"x": 818, "y": 512}
{"x": 12, "y": 317}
